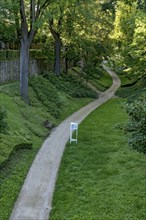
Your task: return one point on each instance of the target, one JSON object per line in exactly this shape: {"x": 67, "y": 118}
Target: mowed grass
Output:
{"x": 100, "y": 178}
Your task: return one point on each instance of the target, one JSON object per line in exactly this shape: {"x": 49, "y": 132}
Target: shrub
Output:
{"x": 2, "y": 54}
{"x": 36, "y": 54}
{"x": 136, "y": 125}
{"x": 47, "y": 94}
{"x": 12, "y": 54}
{"x": 3, "y": 123}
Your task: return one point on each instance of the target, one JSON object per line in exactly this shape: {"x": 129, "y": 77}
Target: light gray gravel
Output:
{"x": 35, "y": 198}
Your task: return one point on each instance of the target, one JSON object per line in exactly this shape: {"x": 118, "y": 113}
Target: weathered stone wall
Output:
{"x": 9, "y": 69}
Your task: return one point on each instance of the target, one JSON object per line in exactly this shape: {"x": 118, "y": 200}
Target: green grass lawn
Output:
{"x": 100, "y": 178}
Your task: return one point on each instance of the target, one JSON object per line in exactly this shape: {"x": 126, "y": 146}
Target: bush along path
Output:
{"x": 35, "y": 198}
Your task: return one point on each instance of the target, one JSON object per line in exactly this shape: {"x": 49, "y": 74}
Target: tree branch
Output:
{"x": 42, "y": 7}
{"x": 24, "y": 25}
{"x": 32, "y": 13}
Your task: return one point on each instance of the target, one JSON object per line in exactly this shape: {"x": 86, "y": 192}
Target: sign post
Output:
{"x": 73, "y": 128}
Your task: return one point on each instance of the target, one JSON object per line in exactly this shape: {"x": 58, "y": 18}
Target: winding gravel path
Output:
{"x": 35, "y": 198}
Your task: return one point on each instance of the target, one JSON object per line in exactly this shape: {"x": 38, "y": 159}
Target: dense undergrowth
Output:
{"x": 135, "y": 107}
{"x": 51, "y": 99}
{"x": 71, "y": 85}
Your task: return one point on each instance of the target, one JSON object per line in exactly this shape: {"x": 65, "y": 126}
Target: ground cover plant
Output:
{"x": 102, "y": 80}
{"x": 99, "y": 78}
{"x": 100, "y": 177}
{"x": 130, "y": 87}
{"x": 71, "y": 85}
{"x": 24, "y": 131}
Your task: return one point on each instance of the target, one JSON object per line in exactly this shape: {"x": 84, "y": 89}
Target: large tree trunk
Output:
{"x": 24, "y": 68}
{"x": 57, "y": 51}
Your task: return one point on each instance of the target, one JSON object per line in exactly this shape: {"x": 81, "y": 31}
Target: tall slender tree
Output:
{"x": 60, "y": 12}
{"x": 28, "y": 30}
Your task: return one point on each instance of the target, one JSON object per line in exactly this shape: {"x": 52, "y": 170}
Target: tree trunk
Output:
{"x": 57, "y": 47}
{"x": 66, "y": 65}
{"x": 57, "y": 50}
{"x": 65, "y": 60}
{"x": 24, "y": 68}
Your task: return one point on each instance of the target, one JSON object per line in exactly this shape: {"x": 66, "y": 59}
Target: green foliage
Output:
{"x": 2, "y": 55}
{"x": 3, "y": 123}
{"x": 15, "y": 54}
{"x": 47, "y": 94}
{"x": 129, "y": 92}
{"x": 136, "y": 110}
{"x": 102, "y": 80}
{"x": 128, "y": 38}
{"x": 37, "y": 54}
{"x": 136, "y": 126}
{"x": 7, "y": 24}
{"x": 70, "y": 85}
{"x": 12, "y": 54}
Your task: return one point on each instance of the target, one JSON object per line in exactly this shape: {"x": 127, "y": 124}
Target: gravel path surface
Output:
{"x": 35, "y": 198}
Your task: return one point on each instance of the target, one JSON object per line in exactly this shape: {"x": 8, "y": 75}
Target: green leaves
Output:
{"x": 129, "y": 37}
{"x": 3, "y": 123}
{"x": 136, "y": 126}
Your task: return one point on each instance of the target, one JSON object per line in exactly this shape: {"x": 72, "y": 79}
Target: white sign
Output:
{"x": 73, "y": 128}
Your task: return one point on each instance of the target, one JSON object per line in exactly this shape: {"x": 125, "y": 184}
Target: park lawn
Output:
{"x": 100, "y": 178}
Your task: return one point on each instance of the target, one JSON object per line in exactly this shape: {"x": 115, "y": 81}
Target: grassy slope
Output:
{"x": 25, "y": 126}
{"x": 100, "y": 177}
{"x": 101, "y": 80}
{"x": 130, "y": 90}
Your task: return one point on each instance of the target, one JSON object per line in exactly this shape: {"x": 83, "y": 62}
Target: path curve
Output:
{"x": 35, "y": 198}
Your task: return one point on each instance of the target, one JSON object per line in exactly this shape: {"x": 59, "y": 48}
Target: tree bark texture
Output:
{"x": 65, "y": 60}
{"x": 57, "y": 48}
{"x": 57, "y": 44}
{"x": 28, "y": 31}
{"x": 24, "y": 68}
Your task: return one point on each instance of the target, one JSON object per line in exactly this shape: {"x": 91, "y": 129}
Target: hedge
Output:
{"x": 14, "y": 54}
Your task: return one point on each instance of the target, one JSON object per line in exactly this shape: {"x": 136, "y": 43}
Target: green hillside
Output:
{"x": 23, "y": 126}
